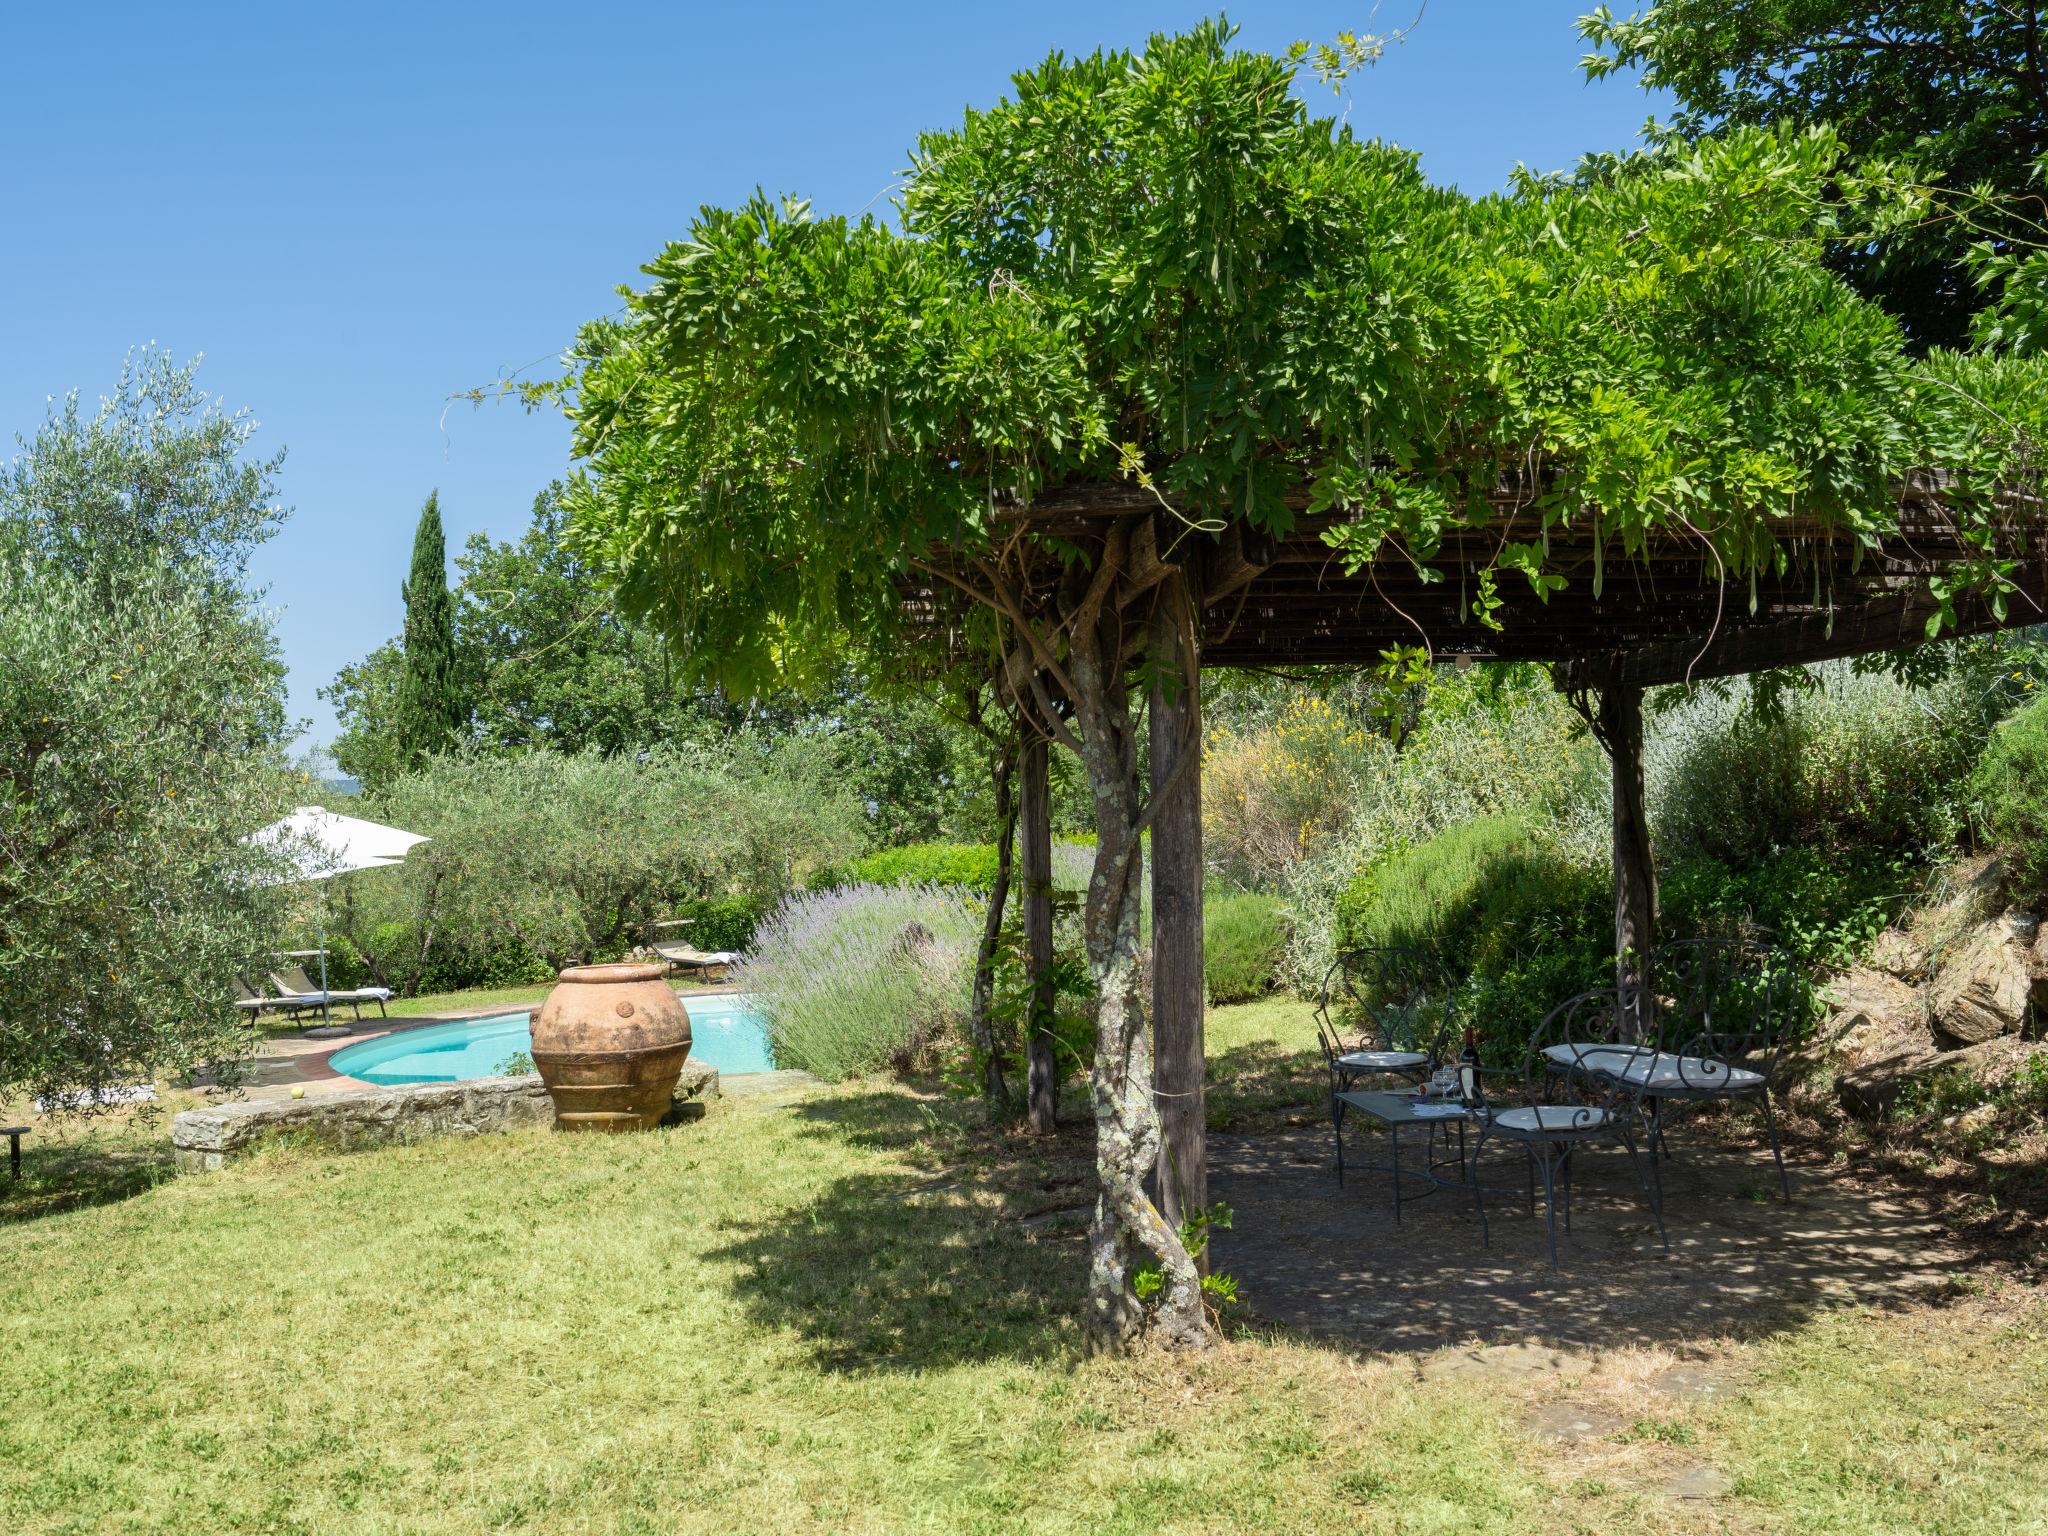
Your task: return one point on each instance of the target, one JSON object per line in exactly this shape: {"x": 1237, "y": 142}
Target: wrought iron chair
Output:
{"x": 1575, "y": 1089}
{"x": 1725, "y": 1010}
{"x": 1382, "y": 1013}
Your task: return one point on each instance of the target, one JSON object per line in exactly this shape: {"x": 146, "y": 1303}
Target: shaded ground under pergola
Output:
{"x": 1331, "y": 1260}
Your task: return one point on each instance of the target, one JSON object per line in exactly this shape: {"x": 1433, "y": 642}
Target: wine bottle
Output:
{"x": 1469, "y": 1087}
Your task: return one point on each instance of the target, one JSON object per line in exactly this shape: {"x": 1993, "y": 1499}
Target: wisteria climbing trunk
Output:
{"x": 1126, "y": 1123}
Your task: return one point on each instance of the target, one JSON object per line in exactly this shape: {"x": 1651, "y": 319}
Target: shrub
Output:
{"x": 542, "y": 859}
{"x": 1269, "y": 795}
{"x": 972, "y": 865}
{"x": 1518, "y": 923}
{"x": 1824, "y": 907}
{"x": 1483, "y": 748}
{"x": 863, "y": 977}
{"x": 1855, "y": 763}
{"x": 2011, "y": 788}
{"x": 724, "y": 922}
{"x": 1243, "y": 936}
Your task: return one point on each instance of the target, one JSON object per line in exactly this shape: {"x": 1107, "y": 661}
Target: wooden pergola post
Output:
{"x": 1635, "y": 873}
{"x": 1034, "y": 860}
{"x": 1178, "y": 993}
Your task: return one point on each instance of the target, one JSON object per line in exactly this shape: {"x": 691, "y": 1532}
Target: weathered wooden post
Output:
{"x": 1034, "y": 862}
{"x": 1178, "y": 993}
{"x": 1635, "y": 872}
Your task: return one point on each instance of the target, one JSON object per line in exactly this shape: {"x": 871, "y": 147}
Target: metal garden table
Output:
{"x": 1399, "y": 1112}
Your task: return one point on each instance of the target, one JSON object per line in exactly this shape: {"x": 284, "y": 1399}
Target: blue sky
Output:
{"x": 355, "y": 212}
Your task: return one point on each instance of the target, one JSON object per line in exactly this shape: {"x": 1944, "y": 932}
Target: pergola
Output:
{"x": 1626, "y": 619}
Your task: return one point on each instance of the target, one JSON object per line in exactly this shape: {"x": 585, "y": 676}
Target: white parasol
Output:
{"x": 317, "y": 844}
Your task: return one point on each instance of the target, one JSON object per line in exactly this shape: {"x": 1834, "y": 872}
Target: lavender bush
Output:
{"x": 865, "y": 976}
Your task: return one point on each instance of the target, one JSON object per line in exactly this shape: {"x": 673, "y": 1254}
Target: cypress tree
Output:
{"x": 430, "y": 713}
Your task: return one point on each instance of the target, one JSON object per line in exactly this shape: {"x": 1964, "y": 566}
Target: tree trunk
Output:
{"x": 993, "y": 1088}
{"x": 1120, "y": 1087}
{"x": 1034, "y": 853}
{"x": 1178, "y": 993}
{"x": 1635, "y": 874}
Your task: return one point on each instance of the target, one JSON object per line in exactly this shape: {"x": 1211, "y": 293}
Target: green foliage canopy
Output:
{"x": 541, "y": 859}
{"x": 1162, "y": 266}
{"x": 141, "y": 731}
{"x": 1956, "y": 91}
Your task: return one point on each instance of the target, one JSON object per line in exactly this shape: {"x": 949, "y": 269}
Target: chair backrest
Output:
{"x": 1724, "y": 1002}
{"x": 1391, "y": 999}
{"x": 1331, "y": 1049}
{"x": 1580, "y": 1055}
{"x": 244, "y": 993}
{"x": 293, "y": 978}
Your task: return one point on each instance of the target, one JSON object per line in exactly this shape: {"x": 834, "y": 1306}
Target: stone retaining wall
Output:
{"x": 202, "y": 1140}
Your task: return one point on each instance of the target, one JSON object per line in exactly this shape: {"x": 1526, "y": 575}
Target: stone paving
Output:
{"x": 1334, "y": 1262}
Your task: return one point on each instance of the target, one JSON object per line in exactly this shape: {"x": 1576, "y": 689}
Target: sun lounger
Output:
{"x": 293, "y": 981}
{"x": 687, "y": 957}
{"x": 249, "y": 1001}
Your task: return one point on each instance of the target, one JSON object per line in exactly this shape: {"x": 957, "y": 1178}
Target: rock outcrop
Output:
{"x": 1983, "y": 987}
{"x": 1951, "y": 994}
{"x": 1876, "y": 1038}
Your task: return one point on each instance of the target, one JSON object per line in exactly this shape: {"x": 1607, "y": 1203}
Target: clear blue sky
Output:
{"x": 356, "y": 211}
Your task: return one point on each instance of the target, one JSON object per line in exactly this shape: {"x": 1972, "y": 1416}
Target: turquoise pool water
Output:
{"x": 723, "y": 1032}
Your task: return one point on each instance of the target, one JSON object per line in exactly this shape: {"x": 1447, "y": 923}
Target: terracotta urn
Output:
{"x": 609, "y": 1043}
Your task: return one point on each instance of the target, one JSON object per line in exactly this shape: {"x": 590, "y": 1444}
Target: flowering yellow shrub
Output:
{"x": 1270, "y": 797}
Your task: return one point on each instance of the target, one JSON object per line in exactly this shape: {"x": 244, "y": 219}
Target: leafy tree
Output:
{"x": 548, "y": 859}
{"x": 430, "y": 711}
{"x": 548, "y": 660}
{"x": 1955, "y": 89}
{"x": 1161, "y": 270}
{"x": 141, "y": 732}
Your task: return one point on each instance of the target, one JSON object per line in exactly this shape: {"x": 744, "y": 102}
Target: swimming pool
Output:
{"x": 724, "y": 1031}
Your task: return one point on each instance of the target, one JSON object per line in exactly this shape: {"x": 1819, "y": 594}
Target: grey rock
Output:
{"x": 1688, "y": 1381}
{"x": 1870, "y": 1088}
{"x": 1569, "y": 1422}
{"x": 1983, "y": 989}
{"x": 1697, "y": 1482}
{"x": 1870, "y": 1007}
{"x": 1899, "y": 954}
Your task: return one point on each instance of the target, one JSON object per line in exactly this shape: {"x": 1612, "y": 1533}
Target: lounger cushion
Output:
{"x": 1381, "y": 1061}
{"x": 1551, "y": 1117}
{"x": 1661, "y": 1071}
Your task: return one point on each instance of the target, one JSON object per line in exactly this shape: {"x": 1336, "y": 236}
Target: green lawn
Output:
{"x": 820, "y": 1313}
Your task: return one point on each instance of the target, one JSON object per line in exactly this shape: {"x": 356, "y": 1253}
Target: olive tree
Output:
{"x": 564, "y": 856}
{"x": 141, "y": 732}
{"x": 1158, "y": 275}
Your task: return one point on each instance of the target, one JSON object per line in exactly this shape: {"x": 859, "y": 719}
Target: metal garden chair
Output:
{"x": 1725, "y": 1012}
{"x": 1382, "y": 1013}
{"x": 1575, "y": 1089}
